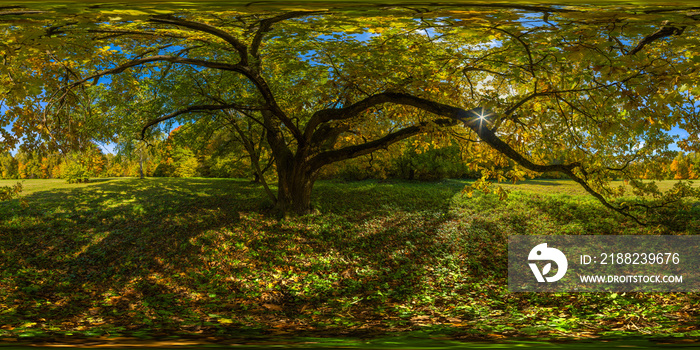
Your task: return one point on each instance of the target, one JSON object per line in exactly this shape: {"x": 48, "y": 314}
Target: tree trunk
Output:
{"x": 141, "y": 165}
{"x": 295, "y": 183}
{"x": 295, "y": 173}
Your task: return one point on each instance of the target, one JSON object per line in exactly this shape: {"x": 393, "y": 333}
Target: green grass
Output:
{"x": 199, "y": 257}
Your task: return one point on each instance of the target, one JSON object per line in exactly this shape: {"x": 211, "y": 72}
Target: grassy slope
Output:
{"x": 196, "y": 256}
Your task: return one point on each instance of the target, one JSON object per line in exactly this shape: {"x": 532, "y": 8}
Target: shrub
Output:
{"x": 164, "y": 170}
{"x": 433, "y": 164}
{"x": 188, "y": 167}
{"x": 354, "y": 172}
{"x": 75, "y": 172}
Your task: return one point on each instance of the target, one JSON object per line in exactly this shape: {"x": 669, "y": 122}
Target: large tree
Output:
{"x": 582, "y": 91}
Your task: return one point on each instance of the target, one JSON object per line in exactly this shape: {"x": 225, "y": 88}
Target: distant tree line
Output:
{"x": 682, "y": 167}
{"x": 222, "y": 156}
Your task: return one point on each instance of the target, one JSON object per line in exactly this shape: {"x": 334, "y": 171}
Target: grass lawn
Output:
{"x": 196, "y": 258}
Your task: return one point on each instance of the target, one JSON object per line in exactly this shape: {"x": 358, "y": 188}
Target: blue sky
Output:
{"x": 680, "y": 132}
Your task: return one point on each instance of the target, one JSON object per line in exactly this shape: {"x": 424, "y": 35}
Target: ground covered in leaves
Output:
{"x": 202, "y": 257}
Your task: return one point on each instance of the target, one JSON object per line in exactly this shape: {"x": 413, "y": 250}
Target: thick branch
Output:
{"x": 471, "y": 119}
{"x": 326, "y": 115}
{"x": 664, "y": 32}
{"x": 163, "y": 58}
{"x": 266, "y": 25}
{"x": 371, "y": 146}
{"x": 330, "y": 114}
{"x": 233, "y": 41}
{"x": 512, "y": 109}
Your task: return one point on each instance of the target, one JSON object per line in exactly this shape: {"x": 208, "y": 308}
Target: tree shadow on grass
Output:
{"x": 70, "y": 248}
{"x": 372, "y": 196}
{"x": 184, "y": 255}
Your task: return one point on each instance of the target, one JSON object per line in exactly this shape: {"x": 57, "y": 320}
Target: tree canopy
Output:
{"x": 587, "y": 91}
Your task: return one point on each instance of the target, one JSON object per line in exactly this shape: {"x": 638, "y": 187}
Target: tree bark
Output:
{"x": 141, "y": 163}
{"x": 294, "y": 186}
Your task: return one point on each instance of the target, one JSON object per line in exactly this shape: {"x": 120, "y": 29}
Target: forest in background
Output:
{"x": 221, "y": 155}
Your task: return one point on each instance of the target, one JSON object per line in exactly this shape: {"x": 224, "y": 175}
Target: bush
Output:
{"x": 355, "y": 172}
{"x": 225, "y": 166}
{"x": 164, "y": 170}
{"x": 75, "y": 172}
{"x": 433, "y": 164}
{"x": 188, "y": 167}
